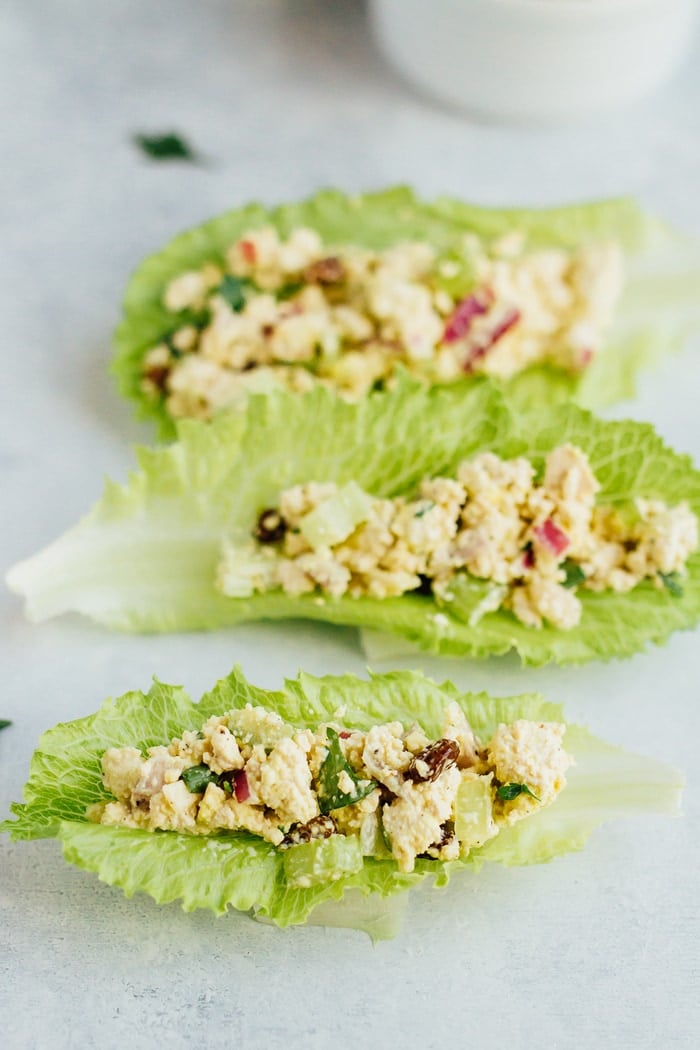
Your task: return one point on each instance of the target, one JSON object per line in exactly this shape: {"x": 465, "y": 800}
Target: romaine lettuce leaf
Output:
{"x": 240, "y": 871}
{"x": 660, "y": 305}
{"x": 145, "y": 557}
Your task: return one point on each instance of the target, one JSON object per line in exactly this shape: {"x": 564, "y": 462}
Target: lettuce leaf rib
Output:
{"x": 145, "y": 557}
{"x": 660, "y": 306}
{"x": 239, "y": 871}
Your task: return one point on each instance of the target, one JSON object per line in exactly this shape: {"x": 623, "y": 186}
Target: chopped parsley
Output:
{"x": 233, "y": 290}
{"x": 288, "y": 291}
{"x": 330, "y": 795}
{"x": 168, "y": 146}
{"x": 4, "y": 723}
{"x": 574, "y": 574}
{"x": 508, "y": 792}
{"x": 672, "y": 583}
{"x": 538, "y": 468}
{"x": 424, "y": 510}
{"x": 197, "y": 777}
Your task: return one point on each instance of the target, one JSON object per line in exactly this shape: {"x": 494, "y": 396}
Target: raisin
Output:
{"x": 425, "y": 586}
{"x": 158, "y": 376}
{"x": 325, "y": 271}
{"x": 270, "y": 527}
{"x": 447, "y": 833}
{"x": 433, "y": 760}
{"x": 319, "y": 828}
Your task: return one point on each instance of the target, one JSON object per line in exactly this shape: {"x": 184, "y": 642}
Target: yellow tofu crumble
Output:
{"x": 530, "y": 544}
{"x": 293, "y": 313}
{"x": 401, "y": 794}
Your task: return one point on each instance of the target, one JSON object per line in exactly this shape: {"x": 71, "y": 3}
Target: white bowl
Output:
{"x": 535, "y": 59}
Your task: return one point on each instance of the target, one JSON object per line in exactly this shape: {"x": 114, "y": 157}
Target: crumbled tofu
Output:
{"x": 414, "y": 820}
{"x": 121, "y": 770}
{"x": 245, "y": 816}
{"x": 116, "y": 813}
{"x": 225, "y": 753}
{"x": 665, "y": 537}
{"x": 190, "y": 746}
{"x": 173, "y": 808}
{"x": 285, "y": 784}
{"x": 529, "y": 753}
{"x": 536, "y": 543}
{"x": 187, "y": 290}
{"x": 384, "y": 757}
{"x": 397, "y": 787}
{"x": 346, "y": 317}
{"x": 543, "y": 599}
{"x": 214, "y": 798}
{"x": 160, "y": 768}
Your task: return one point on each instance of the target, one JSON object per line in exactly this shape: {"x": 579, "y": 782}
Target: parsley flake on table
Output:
{"x": 168, "y": 146}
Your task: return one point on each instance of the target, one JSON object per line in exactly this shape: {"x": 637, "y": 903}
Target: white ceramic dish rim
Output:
{"x": 569, "y": 10}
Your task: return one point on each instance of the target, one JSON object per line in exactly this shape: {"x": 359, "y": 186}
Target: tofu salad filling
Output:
{"x": 498, "y": 535}
{"x": 293, "y": 313}
{"x": 333, "y": 795}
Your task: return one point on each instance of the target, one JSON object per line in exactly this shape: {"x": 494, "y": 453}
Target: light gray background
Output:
{"x": 598, "y": 949}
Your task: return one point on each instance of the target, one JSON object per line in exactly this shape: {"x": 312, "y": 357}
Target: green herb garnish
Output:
{"x": 169, "y": 146}
{"x": 287, "y": 291}
{"x": 672, "y": 583}
{"x": 233, "y": 290}
{"x": 508, "y": 792}
{"x": 538, "y": 472}
{"x": 330, "y": 795}
{"x": 574, "y": 574}
{"x": 197, "y": 777}
{"x": 4, "y": 723}
{"x": 424, "y": 510}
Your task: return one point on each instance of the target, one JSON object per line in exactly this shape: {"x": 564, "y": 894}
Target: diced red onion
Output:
{"x": 552, "y": 537}
{"x": 248, "y": 251}
{"x": 464, "y": 313}
{"x": 343, "y": 734}
{"x": 528, "y": 559}
{"x": 480, "y": 350}
{"x": 241, "y": 787}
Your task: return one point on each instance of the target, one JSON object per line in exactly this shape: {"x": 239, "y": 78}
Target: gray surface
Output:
{"x": 597, "y": 949}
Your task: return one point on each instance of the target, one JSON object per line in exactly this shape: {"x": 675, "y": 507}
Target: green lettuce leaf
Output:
{"x": 659, "y": 308}
{"x": 236, "y": 869}
{"x": 145, "y": 557}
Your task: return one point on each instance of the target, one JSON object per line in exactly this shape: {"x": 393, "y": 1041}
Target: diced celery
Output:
{"x": 322, "y": 860}
{"x": 334, "y": 519}
{"x": 255, "y": 725}
{"x": 469, "y": 599}
{"x": 372, "y": 839}
{"x": 243, "y": 570}
{"x": 474, "y": 822}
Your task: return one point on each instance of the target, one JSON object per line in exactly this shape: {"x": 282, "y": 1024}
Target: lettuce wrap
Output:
{"x": 657, "y": 310}
{"x": 241, "y": 871}
{"x": 145, "y": 558}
